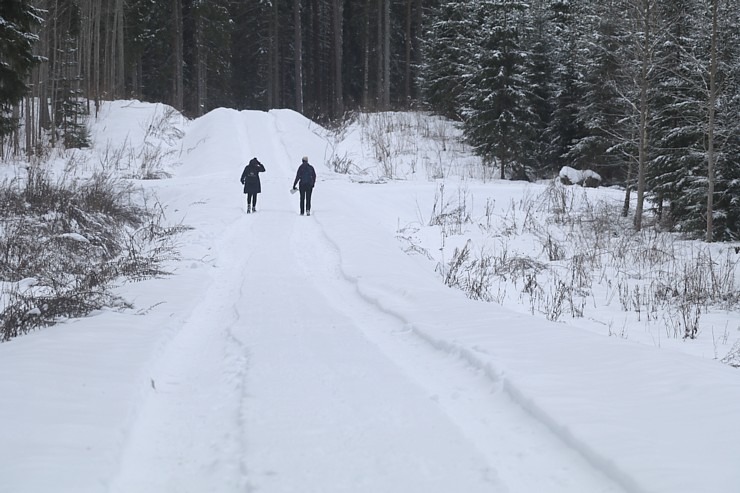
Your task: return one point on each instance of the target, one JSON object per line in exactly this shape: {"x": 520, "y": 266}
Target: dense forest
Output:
{"x": 645, "y": 92}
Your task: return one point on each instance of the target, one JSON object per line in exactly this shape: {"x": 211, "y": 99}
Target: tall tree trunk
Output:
{"x": 43, "y": 89}
{"x": 29, "y": 122}
{"x": 627, "y": 190}
{"x": 379, "y": 59}
{"x": 95, "y": 74}
{"x": 417, "y": 52}
{"x": 710, "y": 127}
{"x": 317, "y": 79}
{"x": 177, "y": 56}
{"x": 201, "y": 60}
{"x": 387, "y": 54}
{"x": 298, "y": 55}
{"x": 277, "y": 73}
{"x": 120, "y": 82}
{"x": 53, "y": 73}
{"x": 85, "y": 57}
{"x": 644, "y": 116}
{"x": 337, "y": 27}
{"x": 366, "y": 58}
{"x": 273, "y": 59}
{"x": 408, "y": 63}
{"x": 16, "y": 134}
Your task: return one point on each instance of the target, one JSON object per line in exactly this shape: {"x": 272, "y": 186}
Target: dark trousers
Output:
{"x": 306, "y": 199}
{"x": 252, "y": 200}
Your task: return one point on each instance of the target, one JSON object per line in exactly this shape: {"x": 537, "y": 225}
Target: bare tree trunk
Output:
{"x": 337, "y": 26}
{"x": 120, "y": 74}
{"x": 407, "y": 75}
{"x": 109, "y": 57}
{"x": 201, "y": 60}
{"x": 319, "y": 82}
{"x": 627, "y": 190}
{"x": 379, "y": 85}
{"x": 95, "y": 75}
{"x": 177, "y": 56}
{"x": 366, "y": 58}
{"x": 42, "y": 89}
{"x": 16, "y": 134}
{"x": 644, "y": 108}
{"x": 114, "y": 64}
{"x": 387, "y": 55}
{"x": 53, "y": 74}
{"x": 298, "y": 56}
{"x": 85, "y": 41}
{"x": 29, "y": 123}
{"x": 710, "y": 128}
{"x": 273, "y": 59}
{"x": 276, "y": 72}
{"x": 416, "y": 54}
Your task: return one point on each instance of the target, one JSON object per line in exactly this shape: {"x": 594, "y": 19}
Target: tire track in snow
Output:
{"x": 326, "y": 412}
{"x": 465, "y": 362}
{"x": 199, "y": 380}
{"x": 520, "y": 446}
{"x": 198, "y": 388}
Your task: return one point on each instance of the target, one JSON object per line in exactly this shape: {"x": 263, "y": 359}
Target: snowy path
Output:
{"x": 285, "y": 379}
{"x": 312, "y": 355}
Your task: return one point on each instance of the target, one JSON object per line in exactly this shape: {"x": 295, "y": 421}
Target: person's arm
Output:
{"x": 313, "y": 176}
{"x": 297, "y": 176}
{"x": 262, "y": 167}
{"x": 244, "y": 175}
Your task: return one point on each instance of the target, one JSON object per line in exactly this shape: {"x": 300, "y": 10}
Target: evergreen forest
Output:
{"x": 644, "y": 92}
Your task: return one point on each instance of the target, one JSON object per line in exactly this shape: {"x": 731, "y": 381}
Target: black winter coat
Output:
{"x": 251, "y": 176}
{"x": 306, "y": 175}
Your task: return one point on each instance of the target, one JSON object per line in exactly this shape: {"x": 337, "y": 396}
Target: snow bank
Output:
{"x": 641, "y": 415}
{"x": 572, "y": 176}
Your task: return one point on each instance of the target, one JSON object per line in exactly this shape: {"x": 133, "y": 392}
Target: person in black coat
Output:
{"x": 306, "y": 175}
{"x": 251, "y": 181}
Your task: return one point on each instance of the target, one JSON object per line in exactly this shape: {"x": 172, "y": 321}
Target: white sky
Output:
{"x": 313, "y": 355}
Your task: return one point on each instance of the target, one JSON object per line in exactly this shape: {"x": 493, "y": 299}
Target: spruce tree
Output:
{"x": 601, "y": 110}
{"x": 497, "y": 113}
{"x": 447, "y": 56}
{"x": 538, "y": 154}
{"x": 678, "y": 131}
{"x": 562, "y": 128}
{"x": 17, "y": 21}
{"x": 211, "y": 57}
{"x": 726, "y": 216}
{"x": 678, "y": 174}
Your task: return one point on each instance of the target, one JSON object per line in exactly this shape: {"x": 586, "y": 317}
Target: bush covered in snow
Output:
{"x": 63, "y": 244}
{"x": 586, "y": 178}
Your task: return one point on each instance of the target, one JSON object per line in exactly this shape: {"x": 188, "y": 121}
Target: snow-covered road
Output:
{"x": 312, "y": 355}
{"x": 285, "y": 379}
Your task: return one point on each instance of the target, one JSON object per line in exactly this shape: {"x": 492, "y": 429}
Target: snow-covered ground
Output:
{"x": 324, "y": 354}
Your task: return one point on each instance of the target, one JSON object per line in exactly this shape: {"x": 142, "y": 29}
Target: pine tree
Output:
{"x": 17, "y": 21}
{"x": 538, "y": 154}
{"x": 497, "y": 114}
{"x": 70, "y": 110}
{"x": 447, "y": 56}
{"x": 562, "y": 128}
{"x": 600, "y": 109}
{"x": 211, "y": 56}
{"x": 679, "y": 170}
{"x": 148, "y": 50}
{"x": 726, "y": 207}
{"x": 678, "y": 132}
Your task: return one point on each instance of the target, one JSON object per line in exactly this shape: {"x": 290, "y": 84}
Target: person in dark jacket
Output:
{"x": 305, "y": 177}
{"x": 251, "y": 181}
